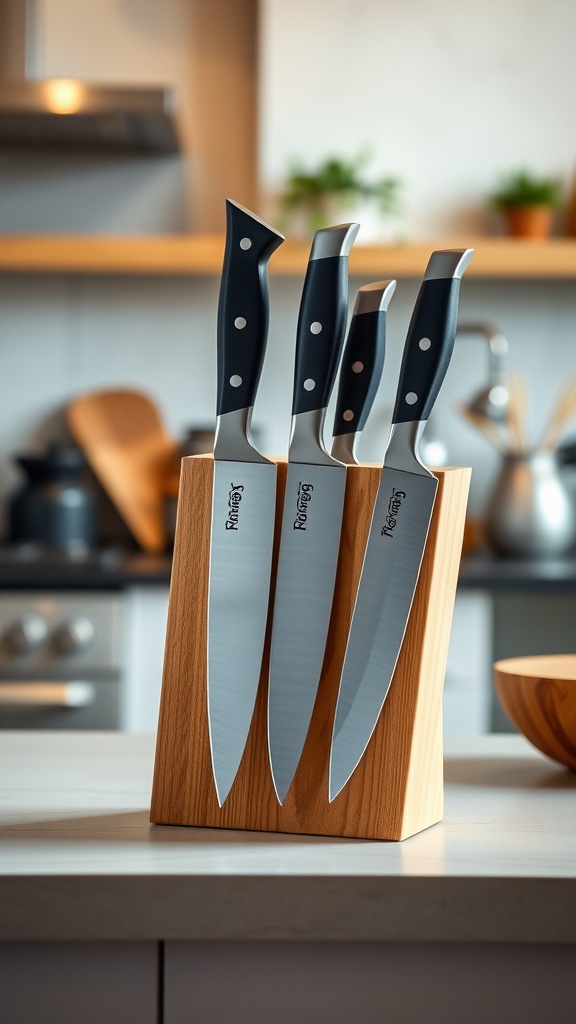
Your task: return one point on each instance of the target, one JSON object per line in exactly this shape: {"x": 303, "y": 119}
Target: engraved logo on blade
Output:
{"x": 391, "y": 520}
{"x": 234, "y": 499}
{"x": 304, "y": 497}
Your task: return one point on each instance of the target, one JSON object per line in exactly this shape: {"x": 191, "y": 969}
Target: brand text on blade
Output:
{"x": 391, "y": 519}
{"x": 234, "y": 499}
{"x": 304, "y": 496}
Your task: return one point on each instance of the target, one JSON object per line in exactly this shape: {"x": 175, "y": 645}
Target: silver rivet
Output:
{"x": 348, "y": 415}
{"x": 357, "y": 367}
{"x": 411, "y": 397}
{"x": 245, "y": 243}
{"x": 316, "y": 327}
{"x": 235, "y": 381}
{"x": 498, "y": 395}
{"x": 240, "y": 322}
{"x": 424, "y": 344}
{"x": 309, "y": 384}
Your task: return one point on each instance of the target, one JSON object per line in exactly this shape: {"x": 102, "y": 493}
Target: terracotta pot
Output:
{"x": 528, "y": 221}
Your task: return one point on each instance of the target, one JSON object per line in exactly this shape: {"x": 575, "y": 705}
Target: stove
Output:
{"x": 81, "y": 637}
{"x": 42, "y": 556}
{"x": 61, "y": 659}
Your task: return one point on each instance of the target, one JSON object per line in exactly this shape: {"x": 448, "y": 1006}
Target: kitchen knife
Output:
{"x": 400, "y": 521}
{"x": 361, "y": 368}
{"x": 312, "y": 512}
{"x": 243, "y": 499}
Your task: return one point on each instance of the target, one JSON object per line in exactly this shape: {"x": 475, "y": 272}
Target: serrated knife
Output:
{"x": 243, "y": 498}
{"x": 400, "y": 522}
{"x": 361, "y": 368}
{"x": 312, "y": 511}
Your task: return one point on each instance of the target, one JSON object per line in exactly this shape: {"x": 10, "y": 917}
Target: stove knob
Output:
{"x": 75, "y": 635}
{"x": 28, "y": 634}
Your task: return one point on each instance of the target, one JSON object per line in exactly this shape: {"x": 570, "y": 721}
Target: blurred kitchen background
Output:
{"x": 447, "y": 96}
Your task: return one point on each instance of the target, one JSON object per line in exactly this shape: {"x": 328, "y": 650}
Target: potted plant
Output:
{"x": 527, "y": 203}
{"x": 329, "y": 192}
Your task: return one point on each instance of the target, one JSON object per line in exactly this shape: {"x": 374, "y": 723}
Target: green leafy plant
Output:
{"x": 521, "y": 188}
{"x": 336, "y": 178}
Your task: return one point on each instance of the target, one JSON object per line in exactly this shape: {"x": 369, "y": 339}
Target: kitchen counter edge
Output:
{"x": 478, "y": 571}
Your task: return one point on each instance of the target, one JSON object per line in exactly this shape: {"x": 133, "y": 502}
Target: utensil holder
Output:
{"x": 397, "y": 789}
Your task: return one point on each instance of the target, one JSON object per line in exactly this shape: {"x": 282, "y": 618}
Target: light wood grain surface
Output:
{"x": 203, "y": 254}
{"x": 397, "y": 788}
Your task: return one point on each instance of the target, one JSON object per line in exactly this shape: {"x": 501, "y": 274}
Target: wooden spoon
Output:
{"x": 132, "y": 455}
{"x": 517, "y": 414}
{"x": 562, "y": 413}
{"x": 485, "y": 426}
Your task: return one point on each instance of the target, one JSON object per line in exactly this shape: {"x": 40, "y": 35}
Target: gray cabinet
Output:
{"x": 361, "y": 982}
{"x": 79, "y": 983}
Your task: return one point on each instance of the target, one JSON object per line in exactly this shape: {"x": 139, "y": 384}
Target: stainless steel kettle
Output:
{"x": 531, "y": 512}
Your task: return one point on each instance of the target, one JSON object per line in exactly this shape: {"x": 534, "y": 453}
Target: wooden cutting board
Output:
{"x": 134, "y": 458}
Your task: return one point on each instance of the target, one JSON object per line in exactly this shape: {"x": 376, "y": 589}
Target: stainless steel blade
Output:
{"x": 392, "y": 562}
{"x": 243, "y": 509}
{"x": 308, "y": 558}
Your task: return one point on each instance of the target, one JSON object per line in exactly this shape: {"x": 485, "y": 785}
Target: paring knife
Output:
{"x": 361, "y": 368}
{"x": 312, "y": 512}
{"x": 400, "y": 521}
{"x": 243, "y": 500}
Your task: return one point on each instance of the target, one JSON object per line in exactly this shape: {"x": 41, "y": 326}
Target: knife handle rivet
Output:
{"x": 411, "y": 397}
{"x": 357, "y": 367}
{"x": 245, "y": 243}
{"x": 424, "y": 344}
{"x": 235, "y": 381}
{"x": 348, "y": 415}
{"x": 240, "y": 322}
{"x": 309, "y": 384}
{"x": 316, "y": 327}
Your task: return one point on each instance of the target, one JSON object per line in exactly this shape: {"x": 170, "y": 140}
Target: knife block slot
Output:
{"x": 397, "y": 789}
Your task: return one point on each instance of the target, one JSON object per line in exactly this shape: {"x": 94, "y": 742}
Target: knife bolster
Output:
{"x": 397, "y": 789}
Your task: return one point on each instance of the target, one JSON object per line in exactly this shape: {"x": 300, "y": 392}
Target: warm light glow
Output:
{"x": 63, "y": 95}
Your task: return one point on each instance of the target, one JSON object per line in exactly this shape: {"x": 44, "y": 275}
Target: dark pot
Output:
{"x": 52, "y": 507}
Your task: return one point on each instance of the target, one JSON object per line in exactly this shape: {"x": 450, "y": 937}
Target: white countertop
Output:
{"x": 79, "y": 858}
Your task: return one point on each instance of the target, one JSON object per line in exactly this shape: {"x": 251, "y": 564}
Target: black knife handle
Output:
{"x": 322, "y": 318}
{"x": 243, "y": 307}
{"x": 363, "y": 359}
{"x": 430, "y": 339}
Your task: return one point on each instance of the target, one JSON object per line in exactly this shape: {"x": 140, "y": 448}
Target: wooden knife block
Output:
{"x": 397, "y": 789}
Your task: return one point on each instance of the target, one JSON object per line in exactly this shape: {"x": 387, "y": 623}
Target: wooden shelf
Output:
{"x": 202, "y": 254}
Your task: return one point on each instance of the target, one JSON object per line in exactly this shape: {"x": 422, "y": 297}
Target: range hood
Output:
{"x": 67, "y": 113}
{"x": 59, "y": 113}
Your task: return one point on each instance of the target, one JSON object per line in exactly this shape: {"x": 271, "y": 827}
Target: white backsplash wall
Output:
{"x": 448, "y": 95}
{"x": 61, "y": 336}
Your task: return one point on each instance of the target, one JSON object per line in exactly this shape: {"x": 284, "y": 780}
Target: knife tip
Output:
{"x": 220, "y": 797}
{"x": 337, "y": 780}
{"x": 333, "y": 791}
{"x": 280, "y": 791}
{"x": 281, "y": 776}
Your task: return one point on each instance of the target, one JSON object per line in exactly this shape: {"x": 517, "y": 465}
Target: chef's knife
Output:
{"x": 312, "y": 513}
{"x": 400, "y": 521}
{"x": 243, "y": 500}
{"x": 361, "y": 368}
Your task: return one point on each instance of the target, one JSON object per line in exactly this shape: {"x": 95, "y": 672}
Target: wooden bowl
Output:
{"x": 539, "y": 696}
